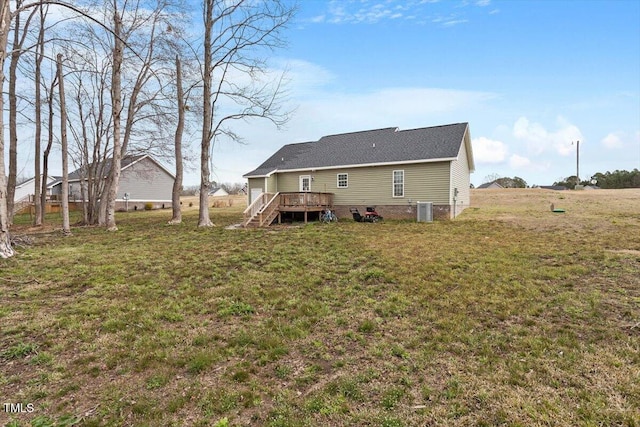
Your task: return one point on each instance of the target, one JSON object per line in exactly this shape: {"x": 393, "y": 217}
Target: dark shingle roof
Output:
{"x": 378, "y": 146}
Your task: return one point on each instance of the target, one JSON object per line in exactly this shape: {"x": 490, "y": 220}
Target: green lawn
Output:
{"x": 509, "y": 315}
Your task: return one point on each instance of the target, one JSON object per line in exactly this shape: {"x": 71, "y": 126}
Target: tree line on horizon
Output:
{"x": 617, "y": 179}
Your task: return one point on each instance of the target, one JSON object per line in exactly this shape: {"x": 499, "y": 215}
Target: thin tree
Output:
{"x": 47, "y": 150}
{"x": 116, "y": 100}
{"x": 238, "y": 35}
{"x": 19, "y": 36}
{"x": 38, "y": 205}
{"x": 177, "y": 183}
{"x": 66, "y": 228}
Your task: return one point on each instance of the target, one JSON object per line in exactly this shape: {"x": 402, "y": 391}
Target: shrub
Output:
{"x": 148, "y": 206}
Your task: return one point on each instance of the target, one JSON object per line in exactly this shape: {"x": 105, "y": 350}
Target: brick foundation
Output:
{"x": 440, "y": 212}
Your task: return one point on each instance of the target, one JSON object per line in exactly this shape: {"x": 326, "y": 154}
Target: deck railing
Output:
{"x": 306, "y": 199}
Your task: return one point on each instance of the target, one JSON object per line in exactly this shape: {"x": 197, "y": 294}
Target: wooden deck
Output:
{"x": 269, "y": 206}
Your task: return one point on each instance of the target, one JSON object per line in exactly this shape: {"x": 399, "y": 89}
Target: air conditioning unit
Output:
{"x": 425, "y": 211}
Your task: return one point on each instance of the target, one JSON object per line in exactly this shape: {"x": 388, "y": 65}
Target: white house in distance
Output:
{"x": 27, "y": 188}
{"x": 218, "y": 192}
{"x": 26, "y": 191}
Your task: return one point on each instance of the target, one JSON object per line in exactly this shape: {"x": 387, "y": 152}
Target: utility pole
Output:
{"x": 577, "y": 162}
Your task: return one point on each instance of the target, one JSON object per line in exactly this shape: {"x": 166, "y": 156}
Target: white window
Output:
{"x": 305, "y": 183}
{"x": 398, "y": 183}
{"x": 343, "y": 180}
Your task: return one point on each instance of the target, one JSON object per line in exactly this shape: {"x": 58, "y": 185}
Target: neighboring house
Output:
{"x": 26, "y": 191}
{"x": 218, "y": 192}
{"x": 143, "y": 180}
{"x": 490, "y": 186}
{"x": 388, "y": 168}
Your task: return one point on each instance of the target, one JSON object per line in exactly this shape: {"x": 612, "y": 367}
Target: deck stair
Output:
{"x": 263, "y": 211}
{"x": 22, "y": 204}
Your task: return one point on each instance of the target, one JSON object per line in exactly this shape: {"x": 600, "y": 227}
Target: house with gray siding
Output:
{"x": 389, "y": 168}
{"x": 143, "y": 180}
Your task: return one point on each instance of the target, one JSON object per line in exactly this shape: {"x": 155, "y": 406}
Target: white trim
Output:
{"x": 363, "y": 165}
{"x": 338, "y": 179}
{"x": 393, "y": 183}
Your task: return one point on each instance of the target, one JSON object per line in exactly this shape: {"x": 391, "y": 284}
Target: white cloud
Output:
{"x": 612, "y": 141}
{"x": 519, "y": 162}
{"x": 419, "y": 11}
{"x": 486, "y": 150}
{"x": 539, "y": 139}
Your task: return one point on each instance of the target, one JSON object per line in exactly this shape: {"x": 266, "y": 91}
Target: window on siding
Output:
{"x": 343, "y": 180}
{"x": 398, "y": 183}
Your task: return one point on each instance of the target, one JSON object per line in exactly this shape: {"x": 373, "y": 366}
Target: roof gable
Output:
{"x": 388, "y": 145}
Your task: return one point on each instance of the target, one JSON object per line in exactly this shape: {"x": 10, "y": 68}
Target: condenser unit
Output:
{"x": 425, "y": 211}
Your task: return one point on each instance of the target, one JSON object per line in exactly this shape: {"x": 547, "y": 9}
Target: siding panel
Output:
{"x": 460, "y": 177}
{"x": 145, "y": 181}
{"x": 427, "y": 182}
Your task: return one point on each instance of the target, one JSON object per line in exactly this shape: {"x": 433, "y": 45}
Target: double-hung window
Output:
{"x": 343, "y": 180}
{"x": 398, "y": 183}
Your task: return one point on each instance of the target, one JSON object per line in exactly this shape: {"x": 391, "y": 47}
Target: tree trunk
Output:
{"x": 66, "y": 227}
{"x": 6, "y": 250}
{"x": 177, "y": 183}
{"x": 116, "y": 101}
{"x": 37, "y": 202}
{"x": 47, "y": 151}
{"x": 207, "y": 136}
{"x": 13, "y": 116}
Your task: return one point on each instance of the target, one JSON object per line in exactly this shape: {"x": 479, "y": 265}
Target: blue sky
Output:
{"x": 530, "y": 77}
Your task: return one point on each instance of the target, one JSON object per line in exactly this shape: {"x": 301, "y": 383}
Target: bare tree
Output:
{"x": 66, "y": 228}
{"x": 19, "y": 35}
{"x": 177, "y": 183}
{"x": 238, "y": 35}
{"x": 116, "y": 110}
{"x": 6, "y": 250}
{"x": 47, "y": 150}
{"x": 39, "y": 206}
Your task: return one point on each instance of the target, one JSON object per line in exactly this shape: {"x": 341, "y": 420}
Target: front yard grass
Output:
{"x": 509, "y": 315}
